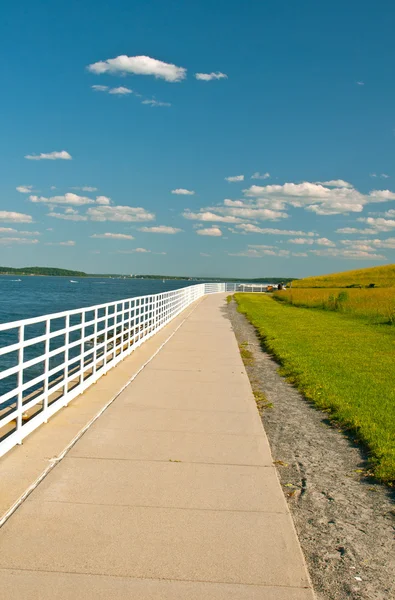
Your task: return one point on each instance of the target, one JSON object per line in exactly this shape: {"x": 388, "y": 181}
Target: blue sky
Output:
{"x": 277, "y": 117}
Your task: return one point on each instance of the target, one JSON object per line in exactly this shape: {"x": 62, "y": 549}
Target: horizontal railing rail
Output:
{"x": 46, "y": 361}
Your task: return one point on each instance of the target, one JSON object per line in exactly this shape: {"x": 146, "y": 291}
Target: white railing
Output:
{"x": 47, "y": 361}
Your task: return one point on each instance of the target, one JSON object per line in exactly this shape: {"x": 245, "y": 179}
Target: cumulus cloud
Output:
{"x": 183, "y": 192}
{"x": 261, "y": 250}
{"x": 67, "y": 199}
{"x": 154, "y": 102}
{"x": 160, "y": 229}
{"x": 67, "y": 216}
{"x": 250, "y": 228}
{"x": 316, "y": 197}
{"x": 68, "y": 243}
{"x": 257, "y": 175}
{"x": 24, "y": 189}
{"x": 15, "y": 217}
{"x": 119, "y": 213}
{"x": 103, "y": 200}
{"x": 139, "y": 65}
{"x": 62, "y": 155}
{"x": 120, "y": 91}
{"x": 138, "y": 250}
{"x": 301, "y": 241}
{"x": 235, "y": 178}
{"x": 208, "y": 216}
{"x": 212, "y": 231}
{"x": 112, "y": 236}
{"x": 6, "y": 241}
{"x": 100, "y": 88}
{"x": 339, "y": 183}
{"x": 378, "y": 224}
{"x": 11, "y": 231}
{"x": 210, "y": 76}
{"x": 348, "y": 254}
{"x": 352, "y": 230}
{"x": 84, "y": 188}
{"x": 237, "y": 211}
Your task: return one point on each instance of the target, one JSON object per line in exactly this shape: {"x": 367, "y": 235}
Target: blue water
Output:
{"x": 24, "y": 297}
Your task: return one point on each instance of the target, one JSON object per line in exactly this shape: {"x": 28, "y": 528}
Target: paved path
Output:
{"x": 170, "y": 495}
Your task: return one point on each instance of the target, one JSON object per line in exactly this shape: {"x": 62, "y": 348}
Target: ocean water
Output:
{"x": 22, "y": 297}
{"x": 25, "y": 297}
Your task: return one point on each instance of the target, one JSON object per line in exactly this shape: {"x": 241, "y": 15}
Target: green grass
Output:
{"x": 344, "y": 365}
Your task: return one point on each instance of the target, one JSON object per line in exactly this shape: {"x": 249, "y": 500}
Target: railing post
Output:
{"x": 66, "y": 357}
{"x": 46, "y": 369}
{"x": 21, "y": 339}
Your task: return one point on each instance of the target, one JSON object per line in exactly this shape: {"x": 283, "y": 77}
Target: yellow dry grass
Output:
{"x": 377, "y": 304}
{"x": 383, "y": 276}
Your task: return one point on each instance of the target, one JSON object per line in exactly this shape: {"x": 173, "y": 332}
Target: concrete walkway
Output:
{"x": 170, "y": 495}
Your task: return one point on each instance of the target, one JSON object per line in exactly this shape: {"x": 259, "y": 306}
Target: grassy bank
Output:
{"x": 343, "y": 365}
{"x": 377, "y": 304}
{"x": 383, "y": 276}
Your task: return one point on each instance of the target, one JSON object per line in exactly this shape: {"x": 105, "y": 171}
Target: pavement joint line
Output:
{"x": 216, "y": 433}
{"x": 89, "y": 574}
{"x": 173, "y": 461}
{"x": 54, "y": 461}
{"x": 156, "y": 507}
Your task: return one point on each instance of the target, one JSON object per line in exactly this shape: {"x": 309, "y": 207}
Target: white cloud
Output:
{"x": 360, "y": 82}
{"x": 301, "y": 241}
{"x": 67, "y": 216}
{"x": 384, "y": 176}
{"x": 300, "y": 254}
{"x": 68, "y": 243}
{"x": 15, "y": 217}
{"x": 315, "y": 197}
{"x": 154, "y": 102}
{"x": 348, "y": 254}
{"x": 120, "y": 91}
{"x": 84, "y": 188}
{"x": 204, "y": 254}
{"x": 237, "y": 211}
{"x": 12, "y": 231}
{"x": 257, "y": 175}
{"x": 235, "y": 178}
{"x": 210, "y": 76}
{"x": 68, "y": 198}
{"x": 139, "y": 65}
{"x": 378, "y": 224}
{"x": 324, "y": 242}
{"x": 249, "y": 228}
{"x": 112, "y": 236}
{"x": 339, "y": 183}
{"x": 62, "y": 155}
{"x": 352, "y": 230}
{"x": 103, "y": 200}
{"x": 119, "y": 213}
{"x": 160, "y": 229}
{"x": 183, "y": 192}
{"x": 212, "y": 231}
{"x": 6, "y": 241}
{"x": 100, "y": 88}
{"x": 261, "y": 250}
{"x": 24, "y": 189}
{"x": 138, "y": 250}
{"x": 208, "y": 216}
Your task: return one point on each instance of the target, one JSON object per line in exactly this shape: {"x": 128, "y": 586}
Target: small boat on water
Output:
{"x": 73, "y": 281}
{"x": 16, "y": 279}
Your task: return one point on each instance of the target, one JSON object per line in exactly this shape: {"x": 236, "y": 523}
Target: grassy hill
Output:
{"x": 383, "y": 276}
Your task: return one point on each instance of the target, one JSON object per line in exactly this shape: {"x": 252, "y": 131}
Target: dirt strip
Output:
{"x": 345, "y": 521}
